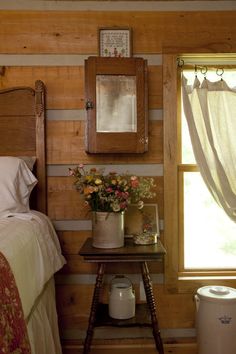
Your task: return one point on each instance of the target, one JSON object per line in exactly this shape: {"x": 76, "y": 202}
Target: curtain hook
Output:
{"x": 220, "y": 74}
{"x": 195, "y": 70}
{"x": 204, "y": 71}
{"x": 180, "y": 62}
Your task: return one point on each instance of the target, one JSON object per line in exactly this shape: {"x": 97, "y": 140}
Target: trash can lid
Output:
{"x": 217, "y": 292}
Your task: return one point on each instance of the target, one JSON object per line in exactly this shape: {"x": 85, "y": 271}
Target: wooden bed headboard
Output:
{"x": 22, "y": 132}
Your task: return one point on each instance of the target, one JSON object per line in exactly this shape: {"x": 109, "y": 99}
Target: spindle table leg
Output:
{"x": 94, "y": 306}
{"x": 152, "y": 307}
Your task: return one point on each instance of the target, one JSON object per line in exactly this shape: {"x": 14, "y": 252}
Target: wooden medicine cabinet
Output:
{"x": 116, "y": 103}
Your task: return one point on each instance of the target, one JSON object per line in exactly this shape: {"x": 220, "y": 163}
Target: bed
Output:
{"x": 30, "y": 253}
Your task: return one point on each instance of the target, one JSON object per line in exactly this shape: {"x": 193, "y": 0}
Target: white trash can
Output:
{"x": 216, "y": 320}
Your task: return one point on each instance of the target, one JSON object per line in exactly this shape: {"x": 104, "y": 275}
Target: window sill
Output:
{"x": 189, "y": 283}
{"x": 207, "y": 277}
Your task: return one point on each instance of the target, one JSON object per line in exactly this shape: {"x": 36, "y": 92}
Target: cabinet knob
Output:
{"x": 89, "y": 105}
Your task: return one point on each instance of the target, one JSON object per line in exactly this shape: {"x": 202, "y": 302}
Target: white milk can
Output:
{"x": 121, "y": 298}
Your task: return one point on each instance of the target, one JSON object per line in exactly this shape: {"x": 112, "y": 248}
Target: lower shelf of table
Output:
{"x": 142, "y": 317}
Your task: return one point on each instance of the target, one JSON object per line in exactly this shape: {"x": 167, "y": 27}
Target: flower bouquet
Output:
{"x": 111, "y": 192}
{"x": 108, "y": 196}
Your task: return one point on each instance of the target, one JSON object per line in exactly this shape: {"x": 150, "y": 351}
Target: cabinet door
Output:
{"x": 116, "y": 104}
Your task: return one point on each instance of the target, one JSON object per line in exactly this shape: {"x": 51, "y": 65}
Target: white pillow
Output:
{"x": 16, "y": 184}
{"x": 29, "y": 160}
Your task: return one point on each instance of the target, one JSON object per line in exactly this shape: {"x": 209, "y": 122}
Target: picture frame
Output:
{"x": 138, "y": 221}
{"x": 115, "y": 42}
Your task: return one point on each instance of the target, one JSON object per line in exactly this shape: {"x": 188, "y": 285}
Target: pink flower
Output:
{"x": 123, "y": 205}
{"x": 71, "y": 172}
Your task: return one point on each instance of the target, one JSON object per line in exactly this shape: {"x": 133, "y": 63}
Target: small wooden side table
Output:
{"x": 129, "y": 253}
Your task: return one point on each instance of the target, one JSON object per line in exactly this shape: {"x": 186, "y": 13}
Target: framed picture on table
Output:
{"x": 139, "y": 221}
{"x": 115, "y": 42}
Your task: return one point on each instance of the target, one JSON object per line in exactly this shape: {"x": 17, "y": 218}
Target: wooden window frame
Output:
{"x": 177, "y": 280}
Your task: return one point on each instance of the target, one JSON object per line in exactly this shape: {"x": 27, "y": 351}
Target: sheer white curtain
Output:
{"x": 210, "y": 110}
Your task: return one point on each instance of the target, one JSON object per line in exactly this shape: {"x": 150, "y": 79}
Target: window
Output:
{"x": 202, "y": 221}
{"x": 199, "y": 237}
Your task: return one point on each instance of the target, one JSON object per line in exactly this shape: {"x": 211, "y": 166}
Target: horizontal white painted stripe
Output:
{"x": 118, "y": 5}
{"x": 80, "y": 114}
{"x": 61, "y": 59}
{"x": 152, "y": 59}
{"x": 122, "y": 333}
{"x": 155, "y": 114}
{"x": 79, "y": 225}
{"x": 207, "y": 277}
{"x": 42, "y": 59}
{"x": 151, "y": 170}
{"x": 178, "y": 332}
{"x": 66, "y": 114}
{"x": 72, "y": 225}
{"x": 63, "y": 279}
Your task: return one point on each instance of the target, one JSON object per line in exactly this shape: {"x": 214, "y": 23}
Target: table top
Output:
{"x": 129, "y": 253}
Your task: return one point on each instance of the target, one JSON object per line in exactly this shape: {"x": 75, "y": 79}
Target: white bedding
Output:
{"x": 42, "y": 323}
{"x": 30, "y": 244}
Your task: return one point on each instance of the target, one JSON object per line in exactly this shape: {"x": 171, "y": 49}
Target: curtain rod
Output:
{"x": 209, "y": 59}
{"x": 203, "y": 66}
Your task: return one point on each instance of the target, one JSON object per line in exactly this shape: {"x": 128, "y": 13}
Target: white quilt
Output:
{"x": 30, "y": 244}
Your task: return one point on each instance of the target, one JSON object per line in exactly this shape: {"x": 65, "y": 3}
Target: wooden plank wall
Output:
{"x": 51, "y": 46}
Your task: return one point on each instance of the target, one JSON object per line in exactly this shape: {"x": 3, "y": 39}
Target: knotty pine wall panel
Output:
{"x": 73, "y": 300}
{"x": 76, "y": 265}
{"x": 65, "y": 84}
{"x": 154, "y": 32}
{"x": 71, "y": 242}
{"x": 65, "y": 145}
{"x": 134, "y": 346}
{"x": 65, "y": 203}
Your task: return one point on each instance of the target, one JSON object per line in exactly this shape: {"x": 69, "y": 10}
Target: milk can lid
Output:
{"x": 216, "y": 292}
{"x": 121, "y": 282}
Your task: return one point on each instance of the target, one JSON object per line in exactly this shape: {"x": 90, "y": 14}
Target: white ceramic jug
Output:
{"x": 121, "y": 298}
{"x": 216, "y": 319}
